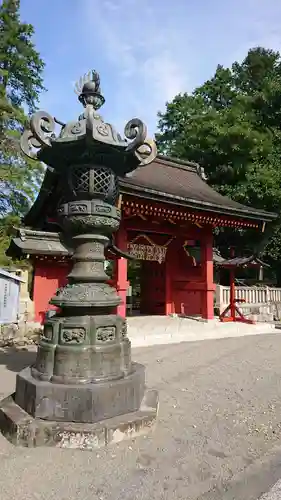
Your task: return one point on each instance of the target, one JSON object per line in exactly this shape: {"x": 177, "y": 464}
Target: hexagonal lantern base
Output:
{"x": 24, "y": 430}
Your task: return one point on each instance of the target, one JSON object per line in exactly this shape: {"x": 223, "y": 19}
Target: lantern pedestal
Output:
{"x": 24, "y": 430}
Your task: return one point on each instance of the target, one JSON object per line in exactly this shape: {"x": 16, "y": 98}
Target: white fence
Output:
{"x": 252, "y": 295}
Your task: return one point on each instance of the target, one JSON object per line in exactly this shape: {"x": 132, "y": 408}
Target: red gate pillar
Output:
{"x": 207, "y": 275}
{"x": 169, "y": 305}
{"x": 120, "y": 271}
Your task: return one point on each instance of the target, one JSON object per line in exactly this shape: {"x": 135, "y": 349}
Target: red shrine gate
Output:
{"x": 168, "y": 210}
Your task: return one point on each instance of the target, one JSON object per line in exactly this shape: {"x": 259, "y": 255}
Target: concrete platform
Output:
{"x": 154, "y": 330}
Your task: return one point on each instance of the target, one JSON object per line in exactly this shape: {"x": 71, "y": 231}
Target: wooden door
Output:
{"x": 153, "y": 288}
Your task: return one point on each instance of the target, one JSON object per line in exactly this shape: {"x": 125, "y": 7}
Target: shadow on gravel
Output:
{"x": 15, "y": 359}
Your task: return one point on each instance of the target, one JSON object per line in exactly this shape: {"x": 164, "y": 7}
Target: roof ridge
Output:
{"x": 177, "y": 163}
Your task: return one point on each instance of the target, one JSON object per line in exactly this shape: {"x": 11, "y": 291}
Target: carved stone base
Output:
{"x": 83, "y": 349}
{"x": 23, "y": 430}
{"x": 80, "y": 403}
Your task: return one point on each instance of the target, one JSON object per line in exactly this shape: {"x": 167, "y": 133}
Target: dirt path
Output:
{"x": 218, "y": 432}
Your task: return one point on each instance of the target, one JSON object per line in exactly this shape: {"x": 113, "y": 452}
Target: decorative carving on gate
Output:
{"x": 192, "y": 252}
{"x": 152, "y": 251}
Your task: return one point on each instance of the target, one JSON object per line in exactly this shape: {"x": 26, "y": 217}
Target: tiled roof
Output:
{"x": 165, "y": 179}
{"x": 37, "y": 242}
{"x": 251, "y": 261}
{"x": 180, "y": 181}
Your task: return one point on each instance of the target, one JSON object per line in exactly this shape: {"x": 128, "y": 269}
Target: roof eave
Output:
{"x": 30, "y": 244}
{"x": 144, "y": 192}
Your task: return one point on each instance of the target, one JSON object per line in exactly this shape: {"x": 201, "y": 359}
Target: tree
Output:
{"x": 20, "y": 84}
{"x": 231, "y": 126}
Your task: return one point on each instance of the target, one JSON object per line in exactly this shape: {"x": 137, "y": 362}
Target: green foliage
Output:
{"x": 231, "y": 126}
{"x": 20, "y": 84}
{"x": 6, "y": 231}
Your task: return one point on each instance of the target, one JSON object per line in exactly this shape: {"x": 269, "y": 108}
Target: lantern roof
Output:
{"x": 89, "y": 138}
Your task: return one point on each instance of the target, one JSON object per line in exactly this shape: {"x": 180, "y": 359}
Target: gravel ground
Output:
{"x": 218, "y": 432}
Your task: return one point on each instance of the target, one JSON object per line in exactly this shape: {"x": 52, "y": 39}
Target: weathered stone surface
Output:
{"x": 23, "y": 430}
{"x": 83, "y": 349}
{"x": 80, "y": 403}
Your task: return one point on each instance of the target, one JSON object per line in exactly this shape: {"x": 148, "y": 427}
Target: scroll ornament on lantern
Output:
{"x": 90, "y": 127}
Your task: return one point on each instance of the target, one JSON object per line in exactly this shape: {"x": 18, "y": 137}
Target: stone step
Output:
{"x": 145, "y": 331}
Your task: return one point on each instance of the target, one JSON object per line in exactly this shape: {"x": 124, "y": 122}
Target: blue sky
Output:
{"x": 146, "y": 51}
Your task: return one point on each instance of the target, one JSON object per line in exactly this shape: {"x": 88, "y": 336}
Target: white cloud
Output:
{"x": 149, "y": 51}
{"x": 148, "y": 67}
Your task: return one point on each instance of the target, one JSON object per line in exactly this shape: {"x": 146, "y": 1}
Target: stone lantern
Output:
{"x": 83, "y": 390}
